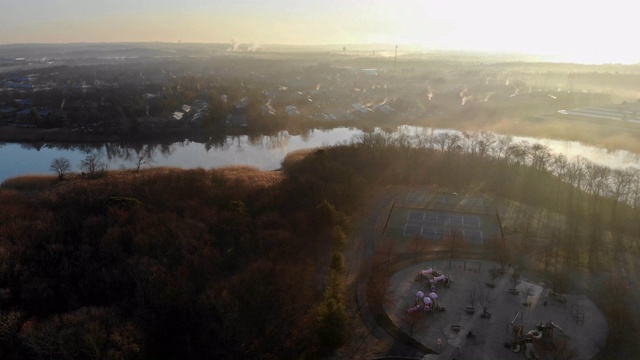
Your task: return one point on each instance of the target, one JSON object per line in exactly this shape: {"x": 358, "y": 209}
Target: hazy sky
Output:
{"x": 582, "y": 30}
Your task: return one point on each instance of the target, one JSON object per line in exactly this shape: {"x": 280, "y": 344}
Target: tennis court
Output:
{"x": 442, "y": 218}
{"x": 436, "y": 225}
{"x": 474, "y": 237}
{"x": 427, "y": 200}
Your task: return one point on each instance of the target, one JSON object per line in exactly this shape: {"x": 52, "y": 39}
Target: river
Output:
{"x": 263, "y": 152}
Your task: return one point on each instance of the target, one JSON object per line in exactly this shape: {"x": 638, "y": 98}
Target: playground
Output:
{"x": 475, "y": 309}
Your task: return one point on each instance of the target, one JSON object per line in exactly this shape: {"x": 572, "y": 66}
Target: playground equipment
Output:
{"x": 434, "y": 277}
{"x": 532, "y": 339}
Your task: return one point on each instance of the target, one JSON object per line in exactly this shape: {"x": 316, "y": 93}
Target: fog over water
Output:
{"x": 263, "y": 152}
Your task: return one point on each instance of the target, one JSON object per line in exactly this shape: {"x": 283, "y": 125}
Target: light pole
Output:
{"x": 395, "y": 59}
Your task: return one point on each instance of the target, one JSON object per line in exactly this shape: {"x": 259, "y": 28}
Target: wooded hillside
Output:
{"x": 238, "y": 263}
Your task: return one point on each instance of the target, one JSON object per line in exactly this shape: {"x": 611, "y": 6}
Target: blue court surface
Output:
{"x": 439, "y": 201}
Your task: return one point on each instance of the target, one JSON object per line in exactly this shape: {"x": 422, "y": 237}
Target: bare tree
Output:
{"x": 418, "y": 245}
{"x": 547, "y": 256}
{"x": 143, "y": 158}
{"x": 539, "y": 156}
{"x": 472, "y": 296}
{"x": 485, "y": 301}
{"x": 596, "y": 178}
{"x": 527, "y": 292}
{"x": 634, "y": 192}
{"x": 455, "y": 239}
{"x": 514, "y": 279}
{"x": 387, "y": 252}
{"x": 527, "y": 230}
{"x": 621, "y": 185}
{"x": 559, "y": 166}
{"x": 618, "y": 309}
{"x": 378, "y": 289}
{"x": 414, "y": 322}
{"x": 93, "y": 165}
{"x": 563, "y": 351}
{"x": 575, "y": 172}
{"x": 516, "y": 154}
{"x": 595, "y": 240}
{"x": 447, "y": 142}
{"x": 493, "y": 274}
{"x": 60, "y": 166}
{"x": 499, "y": 150}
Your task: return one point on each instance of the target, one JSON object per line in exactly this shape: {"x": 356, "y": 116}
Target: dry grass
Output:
{"x": 250, "y": 176}
{"x": 128, "y": 181}
{"x": 29, "y": 182}
{"x": 296, "y": 156}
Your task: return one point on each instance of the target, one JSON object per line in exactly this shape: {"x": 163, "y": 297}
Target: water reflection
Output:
{"x": 262, "y": 151}
{"x": 266, "y": 152}
{"x": 277, "y": 141}
{"x": 444, "y": 139}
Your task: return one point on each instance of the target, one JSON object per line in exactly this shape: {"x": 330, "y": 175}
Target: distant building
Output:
{"x": 24, "y": 113}
{"x": 7, "y": 112}
{"x": 23, "y": 103}
{"x": 292, "y": 111}
{"x": 268, "y": 110}
{"x": 43, "y": 112}
{"x": 360, "y": 109}
{"x": 238, "y": 116}
{"x": 20, "y": 86}
{"x": 384, "y": 109}
{"x": 177, "y": 115}
{"x": 373, "y": 72}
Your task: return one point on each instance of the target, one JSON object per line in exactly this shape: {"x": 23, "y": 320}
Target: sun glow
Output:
{"x": 568, "y": 30}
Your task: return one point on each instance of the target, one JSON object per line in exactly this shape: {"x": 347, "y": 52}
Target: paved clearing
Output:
{"x": 584, "y": 325}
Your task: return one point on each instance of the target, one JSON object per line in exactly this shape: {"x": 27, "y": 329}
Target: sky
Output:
{"x": 584, "y": 31}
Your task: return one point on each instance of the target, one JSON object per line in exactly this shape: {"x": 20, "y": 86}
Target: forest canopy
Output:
{"x": 239, "y": 263}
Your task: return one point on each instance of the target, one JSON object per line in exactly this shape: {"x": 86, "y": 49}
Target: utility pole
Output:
{"x": 395, "y": 59}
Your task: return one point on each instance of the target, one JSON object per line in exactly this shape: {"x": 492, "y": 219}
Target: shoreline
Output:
{"x": 608, "y": 136}
{"x": 66, "y": 136}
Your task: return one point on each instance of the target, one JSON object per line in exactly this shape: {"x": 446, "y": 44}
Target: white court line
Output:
{"x": 481, "y": 238}
{"x": 411, "y": 233}
{"x": 455, "y": 219}
{"x": 405, "y": 230}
